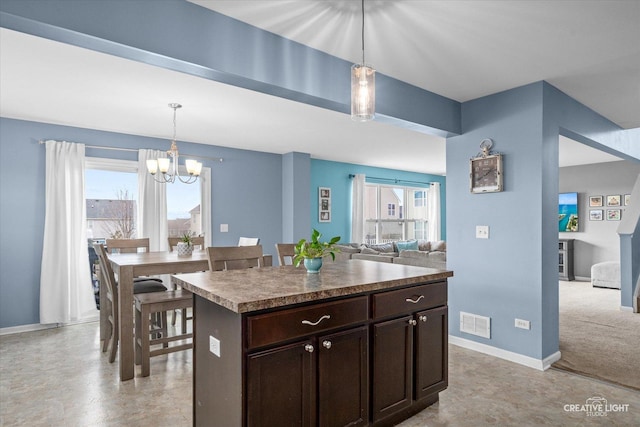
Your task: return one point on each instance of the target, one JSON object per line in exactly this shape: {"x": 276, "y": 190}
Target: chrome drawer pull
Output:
{"x": 412, "y": 322}
{"x": 423, "y": 318}
{"x": 309, "y": 348}
{"x": 307, "y": 322}
{"x": 414, "y": 301}
{"x": 326, "y": 344}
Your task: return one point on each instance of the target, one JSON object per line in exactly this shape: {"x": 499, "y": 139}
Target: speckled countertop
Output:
{"x": 253, "y": 289}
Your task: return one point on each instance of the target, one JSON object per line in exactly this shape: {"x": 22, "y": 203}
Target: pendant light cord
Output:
{"x": 363, "y": 32}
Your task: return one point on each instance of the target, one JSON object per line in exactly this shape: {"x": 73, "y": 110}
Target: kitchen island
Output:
{"x": 362, "y": 343}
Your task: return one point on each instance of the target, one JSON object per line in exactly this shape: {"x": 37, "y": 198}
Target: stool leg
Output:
{"x": 184, "y": 321}
{"x": 144, "y": 341}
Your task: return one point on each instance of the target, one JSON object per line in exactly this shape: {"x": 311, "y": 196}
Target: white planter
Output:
{"x": 184, "y": 249}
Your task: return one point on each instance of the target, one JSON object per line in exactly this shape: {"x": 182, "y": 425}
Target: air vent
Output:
{"x": 475, "y": 325}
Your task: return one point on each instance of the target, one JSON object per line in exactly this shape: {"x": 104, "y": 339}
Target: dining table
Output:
{"x": 127, "y": 266}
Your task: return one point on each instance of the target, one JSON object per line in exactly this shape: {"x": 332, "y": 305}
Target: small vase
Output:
{"x": 313, "y": 265}
{"x": 184, "y": 249}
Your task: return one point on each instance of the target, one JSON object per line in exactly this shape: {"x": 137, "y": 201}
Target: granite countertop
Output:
{"x": 244, "y": 291}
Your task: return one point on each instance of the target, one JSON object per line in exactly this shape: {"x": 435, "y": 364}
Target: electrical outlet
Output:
{"x": 523, "y": 324}
{"x": 224, "y": 228}
{"x": 482, "y": 231}
{"x": 214, "y": 345}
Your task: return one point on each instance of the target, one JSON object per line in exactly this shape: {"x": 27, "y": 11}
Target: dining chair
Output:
{"x": 197, "y": 241}
{"x": 173, "y": 242}
{"x": 145, "y": 336}
{"x": 248, "y": 241}
{"x": 111, "y": 286}
{"x": 234, "y": 257}
{"x": 285, "y": 251}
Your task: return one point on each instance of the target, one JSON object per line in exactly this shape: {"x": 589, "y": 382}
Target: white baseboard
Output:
{"x": 625, "y": 308}
{"x": 541, "y": 365}
{"x": 39, "y": 327}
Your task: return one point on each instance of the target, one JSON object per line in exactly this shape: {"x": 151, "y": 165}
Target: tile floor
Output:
{"x": 59, "y": 377}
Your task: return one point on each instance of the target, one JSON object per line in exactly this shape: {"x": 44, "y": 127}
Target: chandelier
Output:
{"x": 363, "y": 87}
{"x": 168, "y": 166}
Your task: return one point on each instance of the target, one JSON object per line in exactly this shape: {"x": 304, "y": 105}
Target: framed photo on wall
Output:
{"x": 613, "y": 214}
{"x": 595, "y": 201}
{"x": 613, "y": 200}
{"x": 595, "y": 215}
{"x": 324, "y": 204}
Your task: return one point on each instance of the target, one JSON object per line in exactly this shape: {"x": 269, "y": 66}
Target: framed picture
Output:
{"x": 595, "y": 215}
{"x": 324, "y": 204}
{"x": 613, "y": 200}
{"x": 627, "y": 199}
{"x": 613, "y": 214}
{"x": 595, "y": 201}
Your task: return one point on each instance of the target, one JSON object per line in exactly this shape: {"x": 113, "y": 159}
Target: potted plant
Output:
{"x": 185, "y": 245}
{"x": 311, "y": 253}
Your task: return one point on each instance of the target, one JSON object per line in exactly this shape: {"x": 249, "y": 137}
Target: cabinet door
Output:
{"x": 280, "y": 386}
{"x": 343, "y": 378}
{"x": 431, "y": 352}
{"x": 392, "y": 366}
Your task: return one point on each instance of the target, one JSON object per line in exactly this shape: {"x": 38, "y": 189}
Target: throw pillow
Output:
{"x": 384, "y": 247}
{"x": 440, "y": 245}
{"x": 369, "y": 251}
{"x": 409, "y": 245}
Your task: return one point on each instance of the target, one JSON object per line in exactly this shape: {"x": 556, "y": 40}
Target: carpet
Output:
{"x": 597, "y": 339}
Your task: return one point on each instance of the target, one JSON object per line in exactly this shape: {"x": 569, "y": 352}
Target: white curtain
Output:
{"x": 358, "y": 209}
{"x": 152, "y": 204}
{"x": 66, "y": 293}
{"x": 205, "y": 206}
{"x": 433, "y": 211}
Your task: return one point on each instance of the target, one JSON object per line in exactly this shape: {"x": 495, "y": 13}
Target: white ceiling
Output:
{"x": 460, "y": 49}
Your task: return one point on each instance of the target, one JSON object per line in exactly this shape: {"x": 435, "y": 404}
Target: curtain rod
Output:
{"x": 394, "y": 180}
{"x": 102, "y": 147}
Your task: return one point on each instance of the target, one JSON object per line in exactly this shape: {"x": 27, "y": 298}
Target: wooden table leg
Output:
{"x": 125, "y": 297}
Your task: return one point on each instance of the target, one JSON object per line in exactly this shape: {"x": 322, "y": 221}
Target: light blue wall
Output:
{"x": 499, "y": 277}
{"x": 246, "y": 194}
{"x": 514, "y": 274}
{"x": 296, "y": 169}
{"x": 335, "y": 175}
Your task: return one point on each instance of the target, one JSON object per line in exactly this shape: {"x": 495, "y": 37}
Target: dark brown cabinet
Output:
{"x": 284, "y": 385}
{"x": 409, "y": 352}
{"x": 322, "y": 380}
{"x": 371, "y": 359}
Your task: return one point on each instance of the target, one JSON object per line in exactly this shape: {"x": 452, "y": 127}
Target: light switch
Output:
{"x": 482, "y": 231}
{"x": 224, "y": 228}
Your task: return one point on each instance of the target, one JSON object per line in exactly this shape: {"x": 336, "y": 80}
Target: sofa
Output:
{"x": 421, "y": 253}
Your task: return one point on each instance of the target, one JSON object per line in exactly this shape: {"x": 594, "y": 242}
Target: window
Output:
{"x": 183, "y": 209}
{"x": 391, "y": 209}
{"x": 389, "y": 218}
{"x": 111, "y": 197}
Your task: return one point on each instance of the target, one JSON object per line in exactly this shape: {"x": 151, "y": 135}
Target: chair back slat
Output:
{"x": 127, "y": 245}
{"x": 234, "y": 257}
{"x": 285, "y": 250}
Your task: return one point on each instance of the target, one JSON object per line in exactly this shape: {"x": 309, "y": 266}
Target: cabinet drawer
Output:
{"x": 270, "y": 328}
{"x": 408, "y": 300}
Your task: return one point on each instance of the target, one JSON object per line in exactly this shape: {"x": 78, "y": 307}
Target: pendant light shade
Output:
{"x": 363, "y": 92}
{"x": 363, "y": 87}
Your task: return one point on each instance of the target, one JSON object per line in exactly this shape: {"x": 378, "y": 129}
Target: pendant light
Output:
{"x": 168, "y": 166}
{"x": 363, "y": 87}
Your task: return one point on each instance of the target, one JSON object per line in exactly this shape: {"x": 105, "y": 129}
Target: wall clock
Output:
{"x": 486, "y": 170}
